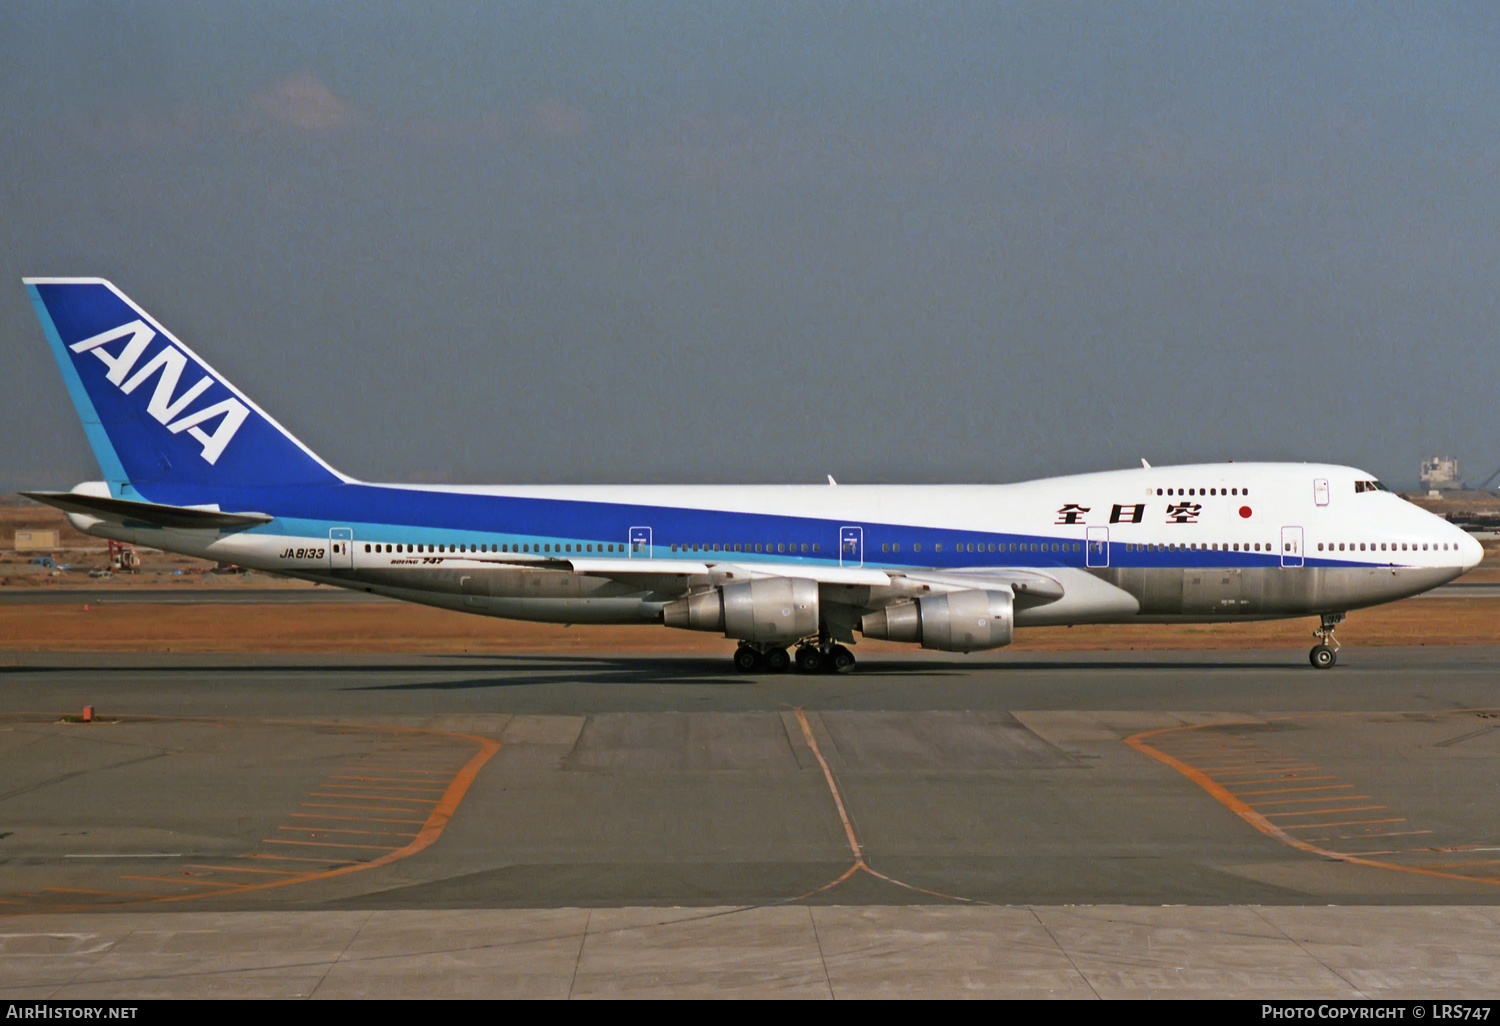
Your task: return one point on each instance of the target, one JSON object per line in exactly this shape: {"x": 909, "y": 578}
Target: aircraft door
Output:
{"x": 1291, "y": 546}
{"x": 1320, "y": 492}
{"x": 851, "y": 546}
{"x": 341, "y": 548}
{"x": 640, "y": 543}
{"x": 1098, "y": 546}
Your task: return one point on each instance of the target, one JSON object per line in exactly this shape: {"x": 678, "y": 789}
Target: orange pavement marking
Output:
{"x": 1289, "y": 769}
{"x": 429, "y": 790}
{"x": 1388, "y": 833}
{"x": 376, "y": 797}
{"x": 437, "y": 820}
{"x": 1278, "y": 780}
{"x": 116, "y": 894}
{"x": 329, "y": 844}
{"x": 1289, "y": 790}
{"x": 1304, "y": 801}
{"x": 354, "y": 819}
{"x": 243, "y": 869}
{"x": 1342, "y": 822}
{"x": 338, "y": 830}
{"x": 292, "y": 858}
{"x": 380, "y": 780}
{"x": 1229, "y": 800}
{"x": 860, "y": 865}
{"x": 191, "y": 880}
{"x": 366, "y": 808}
{"x": 1324, "y": 812}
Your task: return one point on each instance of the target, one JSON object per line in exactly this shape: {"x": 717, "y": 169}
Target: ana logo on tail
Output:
{"x": 166, "y": 406}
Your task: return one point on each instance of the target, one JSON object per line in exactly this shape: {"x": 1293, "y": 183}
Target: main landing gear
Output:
{"x": 813, "y": 656}
{"x": 1326, "y": 652}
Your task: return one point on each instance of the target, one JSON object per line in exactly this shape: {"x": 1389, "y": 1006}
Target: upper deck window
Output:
{"x": 1369, "y": 486}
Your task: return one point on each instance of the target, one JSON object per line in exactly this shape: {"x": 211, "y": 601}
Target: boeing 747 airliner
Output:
{"x": 192, "y": 465}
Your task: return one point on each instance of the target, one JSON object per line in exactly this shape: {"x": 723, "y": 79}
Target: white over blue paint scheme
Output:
{"x": 192, "y": 465}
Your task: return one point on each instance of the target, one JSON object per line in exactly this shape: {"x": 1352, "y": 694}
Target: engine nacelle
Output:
{"x": 773, "y": 609}
{"x": 959, "y": 621}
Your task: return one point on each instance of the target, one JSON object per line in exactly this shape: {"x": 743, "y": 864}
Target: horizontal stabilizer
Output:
{"x": 151, "y": 513}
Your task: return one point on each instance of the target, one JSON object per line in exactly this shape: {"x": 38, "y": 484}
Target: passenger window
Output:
{"x": 815, "y": 547}
{"x": 915, "y": 548}
{"x": 884, "y": 547}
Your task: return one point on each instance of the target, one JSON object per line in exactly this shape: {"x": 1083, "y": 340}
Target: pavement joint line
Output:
{"x": 1359, "y": 994}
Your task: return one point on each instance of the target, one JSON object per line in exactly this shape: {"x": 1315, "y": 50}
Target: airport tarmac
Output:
{"x": 1024, "y": 824}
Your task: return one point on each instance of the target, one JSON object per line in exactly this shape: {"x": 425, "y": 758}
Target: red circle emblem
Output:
{"x": 1245, "y": 512}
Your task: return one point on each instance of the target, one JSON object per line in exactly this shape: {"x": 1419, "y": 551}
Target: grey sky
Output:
{"x": 765, "y": 242}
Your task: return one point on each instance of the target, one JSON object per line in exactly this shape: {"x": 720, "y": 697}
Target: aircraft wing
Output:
{"x": 150, "y": 513}
{"x": 1031, "y": 587}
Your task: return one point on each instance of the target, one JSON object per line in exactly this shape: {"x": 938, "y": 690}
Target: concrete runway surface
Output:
{"x": 1109, "y": 824}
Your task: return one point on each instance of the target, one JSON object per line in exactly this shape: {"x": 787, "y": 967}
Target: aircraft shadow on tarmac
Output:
{"x": 547, "y": 669}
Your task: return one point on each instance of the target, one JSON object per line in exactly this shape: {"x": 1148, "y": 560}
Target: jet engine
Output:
{"x": 773, "y": 609}
{"x": 958, "y": 621}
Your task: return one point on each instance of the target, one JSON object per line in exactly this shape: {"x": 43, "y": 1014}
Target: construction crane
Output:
{"x": 1486, "y": 482}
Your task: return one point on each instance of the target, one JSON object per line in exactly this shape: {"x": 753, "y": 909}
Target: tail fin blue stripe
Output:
{"x": 155, "y": 413}
{"x": 104, "y": 449}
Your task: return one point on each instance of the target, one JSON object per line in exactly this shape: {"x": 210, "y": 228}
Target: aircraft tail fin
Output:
{"x": 155, "y": 413}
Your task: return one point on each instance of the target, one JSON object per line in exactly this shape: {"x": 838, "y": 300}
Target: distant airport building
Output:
{"x": 1440, "y": 474}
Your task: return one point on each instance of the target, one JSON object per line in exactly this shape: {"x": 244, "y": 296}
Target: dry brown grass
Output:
{"x": 393, "y": 627}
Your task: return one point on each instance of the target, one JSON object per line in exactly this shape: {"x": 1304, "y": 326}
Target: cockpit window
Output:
{"x": 1369, "y": 486}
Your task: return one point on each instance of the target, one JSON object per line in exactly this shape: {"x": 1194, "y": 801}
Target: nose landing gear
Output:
{"x": 1326, "y": 652}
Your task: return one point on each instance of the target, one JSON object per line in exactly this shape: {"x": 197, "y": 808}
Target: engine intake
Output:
{"x": 775, "y": 609}
{"x": 959, "y": 621}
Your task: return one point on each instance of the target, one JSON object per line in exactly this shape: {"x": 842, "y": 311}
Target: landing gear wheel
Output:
{"x": 809, "y": 660}
{"x": 1325, "y": 653}
{"x": 777, "y": 660}
{"x": 746, "y": 659}
{"x": 839, "y": 659}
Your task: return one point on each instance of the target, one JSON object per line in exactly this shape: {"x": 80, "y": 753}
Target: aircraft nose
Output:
{"x": 1470, "y": 551}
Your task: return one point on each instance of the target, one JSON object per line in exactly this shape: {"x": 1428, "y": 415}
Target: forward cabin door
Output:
{"x": 851, "y": 546}
{"x": 1291, "y": 546}
{"x": 341, "y": 548}
{"x": 1098, "y": 546}
{"x": 640, "y": 543}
